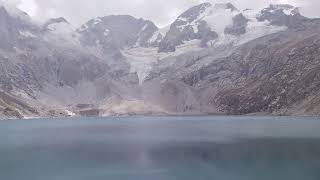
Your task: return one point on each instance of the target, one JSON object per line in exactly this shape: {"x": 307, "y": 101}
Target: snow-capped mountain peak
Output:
{"x": 209, "y": 23}
{"x": 282, "y": 15}
{"x": 224, "y": 24}
{"x": 285, "y": 8}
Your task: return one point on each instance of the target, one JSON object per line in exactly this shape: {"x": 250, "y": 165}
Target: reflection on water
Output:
{"x": 195, "y": 148}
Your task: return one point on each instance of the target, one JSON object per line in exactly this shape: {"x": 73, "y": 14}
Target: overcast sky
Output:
{"x": 162, "y": 12}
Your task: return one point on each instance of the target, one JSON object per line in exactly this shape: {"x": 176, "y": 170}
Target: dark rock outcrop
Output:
{"x": 239, "y": 25}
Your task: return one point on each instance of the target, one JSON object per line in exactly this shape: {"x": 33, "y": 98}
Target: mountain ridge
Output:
{"x": 251, "y": 62}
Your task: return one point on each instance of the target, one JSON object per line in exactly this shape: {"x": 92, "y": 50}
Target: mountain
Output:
{"x": 224, "y": 24}
{"x": 48, "y": 73}
{"x": 116, "y": 32}
{"x": 213, "y": 59}
{"x": 282, "y": 14}
{"x": 272, "y": 72}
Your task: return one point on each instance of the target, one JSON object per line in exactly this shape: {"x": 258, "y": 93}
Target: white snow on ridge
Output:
{"x": 291, "y": 12}
{"x": 141, "y": 31}
{"x": 97, "y": 21}
{"x": 285, "y": 8}
{"x": 255, "y": 29}
{"x": 144, "y": 28}
{"x": 162, "y": 32}
{"x": 218, "y": 18}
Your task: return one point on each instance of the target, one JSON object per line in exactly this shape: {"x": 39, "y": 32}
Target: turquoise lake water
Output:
{"x": 161, "y": 148}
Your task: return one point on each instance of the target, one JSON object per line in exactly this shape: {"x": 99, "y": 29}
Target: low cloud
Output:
{"x": 162, "y": 12}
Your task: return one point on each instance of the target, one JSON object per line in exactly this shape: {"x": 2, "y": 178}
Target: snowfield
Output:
{"x": 143, "y": 59}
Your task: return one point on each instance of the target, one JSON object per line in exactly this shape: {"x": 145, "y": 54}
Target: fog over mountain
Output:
{"x": 239, "y": 58}
{"x": 160, "y": 12}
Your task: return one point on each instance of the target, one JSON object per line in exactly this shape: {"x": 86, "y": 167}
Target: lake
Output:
{"x": 161, "y": 148}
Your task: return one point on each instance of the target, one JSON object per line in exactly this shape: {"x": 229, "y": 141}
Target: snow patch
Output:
{"x": 289, "y": 12}
{"x": 27, "y": 34}
{"x": 154, "y": 37}
{"x": 144, "y": 27}
{"x": 138, "y": 42}
{"x": 255, "y": 29}
{"x": 162, "y": 32}
{"x": 70, "y": 113}
{"x": 285, "y": 8}
{"x": 106, "y": 32}
{"x": 96, "y": 21}
{"x": 218, "y": 18}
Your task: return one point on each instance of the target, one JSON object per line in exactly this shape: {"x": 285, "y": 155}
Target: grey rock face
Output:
{"x": 13, "y": 107}
{"x": 289, "y": 75}
{"x": 239, "y": 25}
{"x": 271, "y": 74}
{"x": 206, "y": 34}
{"x": 283, "y": 15}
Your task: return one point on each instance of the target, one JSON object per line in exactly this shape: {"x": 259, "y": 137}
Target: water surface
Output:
{"x": 161, "y": 148}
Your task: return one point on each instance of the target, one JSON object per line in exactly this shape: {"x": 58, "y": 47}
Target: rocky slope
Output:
{"x": 213, "y": 59}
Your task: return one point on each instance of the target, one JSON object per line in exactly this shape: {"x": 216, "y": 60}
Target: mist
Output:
{"x": 159, "y": 11}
